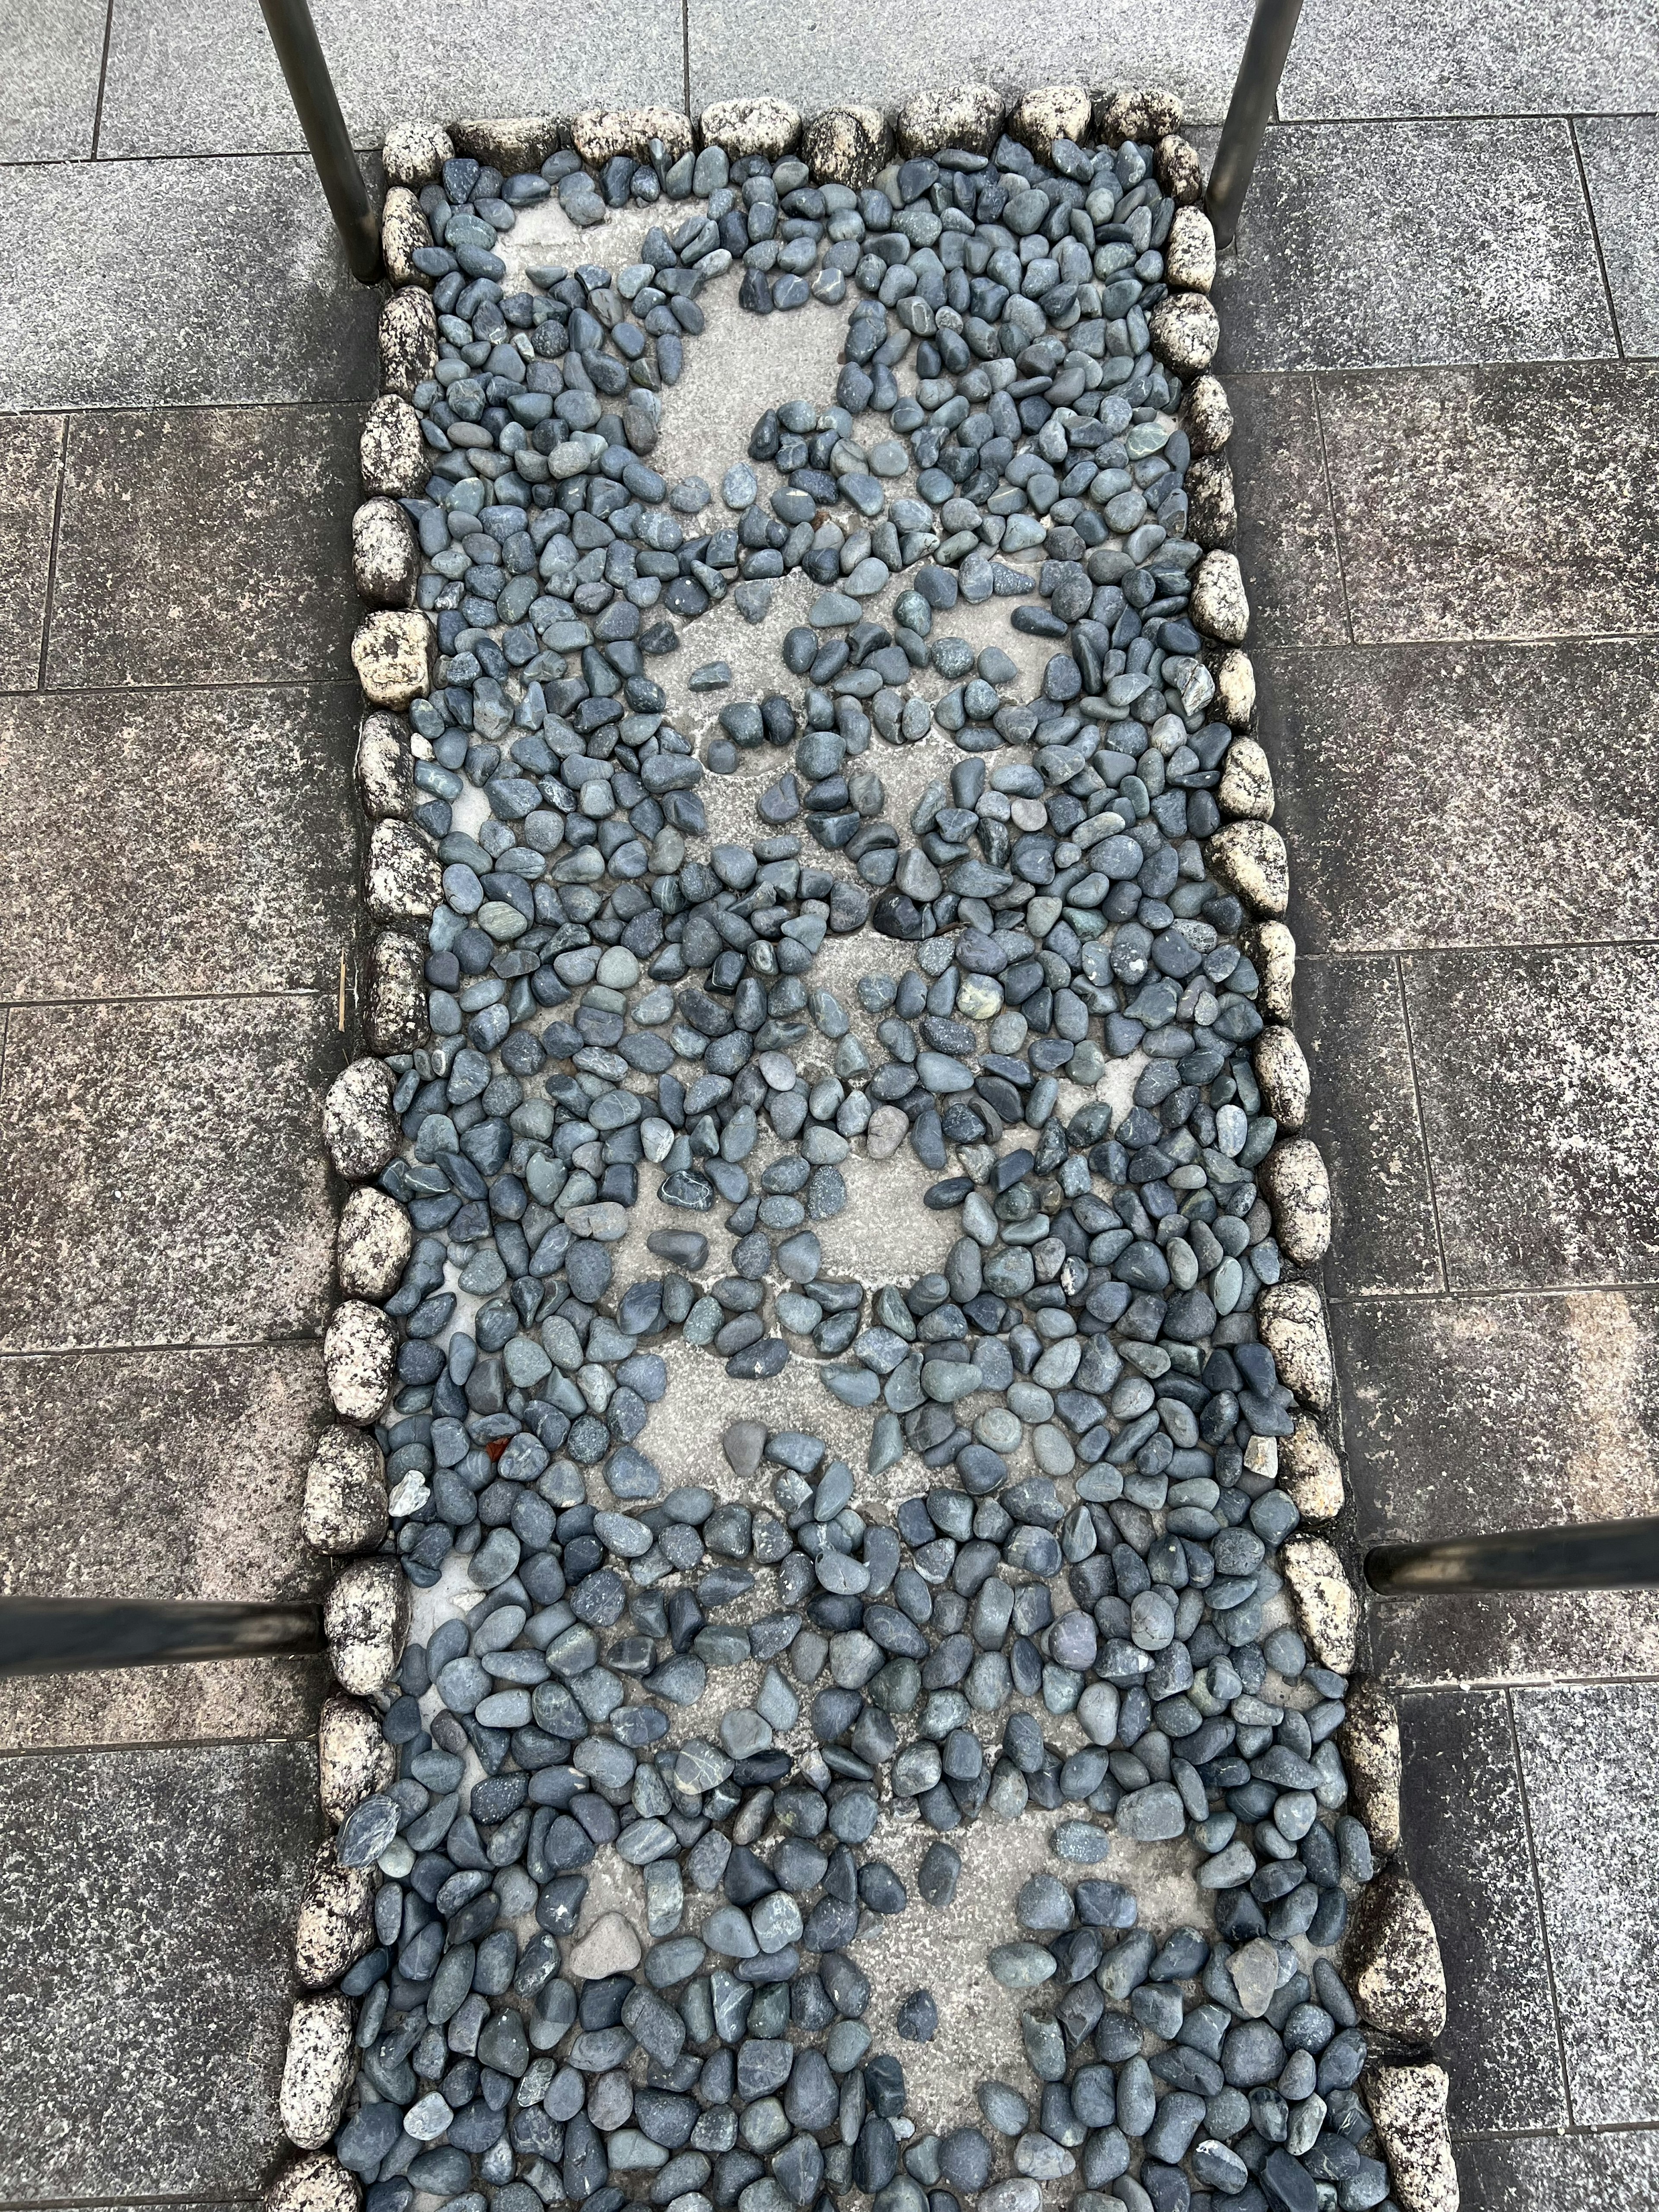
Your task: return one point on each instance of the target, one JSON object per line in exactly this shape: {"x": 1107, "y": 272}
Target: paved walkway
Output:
{"x": 1446, "y": 288}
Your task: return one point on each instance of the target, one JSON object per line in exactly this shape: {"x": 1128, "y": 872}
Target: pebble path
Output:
{"x": 626, "y": 1815}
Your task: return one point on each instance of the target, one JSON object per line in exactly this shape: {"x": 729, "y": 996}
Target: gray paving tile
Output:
{"x": 187, "y": 78}
{"x": 1351, "y": 1022}
{"x": 1481, "y": 502}
{"x": 1375, "y": 244}
{"x": 1540, "y": 1408}
{"x": 1621, "y": 167}
{"x": 1286, "y": 533}
{"x": 169, "y": 842}
{"x": 1465, "y": 1836}
{"x": 206, "y": 545}
{"x": 159, "y": 1474}
{"x": 54, "y": 50}
{"x": 873, "y": 52}
{"x": 30, "y": 446}
{"x": 163, "y": 1172}
{"x": 1538, "y": 1075}
{"x": 1537, "y": 2173}
{"x": 219, "y": 1701}
{"x": 1481, "y": 58}
{"x": 148, "y": 1900}
{"x": 1426, "y": 1640}
{"x": 150, "y": 283}
{"x": 1465, "y": 1415}
{"x": 1587, "y": 1761}
{"x": 1432, "y": 796}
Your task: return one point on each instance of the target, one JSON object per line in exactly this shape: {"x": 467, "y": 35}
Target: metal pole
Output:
{"x": 1251, "y": 111}
{"x": 1593, "y": 1555}
{"x": 62, "y": 1635}
{"x": 312, "y": 89}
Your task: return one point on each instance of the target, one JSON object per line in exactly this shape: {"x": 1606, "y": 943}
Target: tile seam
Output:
{"x": 1545, "y": 1940}
{"x": 1580, "y": 2132}
{"x": 126, "y": 690}
{"x": 1451, "y": 1686}
{"x": 1485, "y": 641}
{"x": 1330, "y": 509}
{"x": 1496, "y": 364}
{"x": 1468, "y": 117}
{"x": 1639, "y": 362}
{"x": 20, "y": 411}
{"x": 206, "y": 683}
{"x": 1422, "y": 1124}
{"x": 60, "y": 471}
{"x": 1481, "y": 944}
{"x": 229, "y": 2198}
{"x": 104, "y": 162}
{"x": 170, "y": 997}
{"x": 162, "y": 1344}
{"x": 1470, "y": 1293}
{"x": 370, "y": 143}
{"x": 103, "y": 79}
{"x": 1596, "y": 236}
{"x": 1448, "y": 364}
{"x": 140, "y": 1747}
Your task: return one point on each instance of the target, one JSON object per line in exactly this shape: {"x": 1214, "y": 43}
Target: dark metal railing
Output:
{"x": 55, "y": 1636}
{"x": 63, "y": 1635}
{"x": 1255, "y": 89}
{"x": 1592, "y": 1555}
{"x": 293, "y": 35}
{"x": 311, "y": 90}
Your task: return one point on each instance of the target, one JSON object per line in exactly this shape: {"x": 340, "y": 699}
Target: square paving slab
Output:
{"x": 148, "y": 1900}
{"x": 150, "y": 283}
{"x": 1370, "y": 244}
{"x": 878, "y": 55}
{"x": 216, "y": 1701}
{"x": 1538, "y": 1074}
{"x": 206, "y": 545}
{"x": 1464, "y": 1414}
{"x": 54, "y": 50}
{"x": 1540, "y": 2173}
{"x": 1456, "y": 58}
{"x": 1439, "y": 795}
{"x": 165, "y": 1171}
{"x": 1481, "y": 502}
{"x": 231, "y": 812}
{"x": 159, "y": 1474}
{"x": 186, "y": 77}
